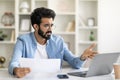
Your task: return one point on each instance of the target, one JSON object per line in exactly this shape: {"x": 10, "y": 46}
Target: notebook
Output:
{"x": 101, "y": 64}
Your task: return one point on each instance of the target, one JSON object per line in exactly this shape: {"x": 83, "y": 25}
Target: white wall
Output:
{"x": 109, "y": 26}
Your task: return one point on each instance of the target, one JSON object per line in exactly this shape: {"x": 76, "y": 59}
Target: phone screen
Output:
{"x": 62, "y": 76}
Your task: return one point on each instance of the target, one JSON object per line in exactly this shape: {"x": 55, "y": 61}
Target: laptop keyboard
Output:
{"x": 79, "y": 74}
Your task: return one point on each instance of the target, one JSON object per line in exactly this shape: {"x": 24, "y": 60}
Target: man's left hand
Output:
{"x": 88, "y": 53}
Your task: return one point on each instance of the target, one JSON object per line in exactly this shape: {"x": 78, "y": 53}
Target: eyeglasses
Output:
{"x": 47, "y": 26}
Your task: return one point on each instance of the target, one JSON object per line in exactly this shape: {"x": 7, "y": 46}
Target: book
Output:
{"x": 82, "y": 22}
{"x": 13, "y": 35}
{"x": 70, "y": 27}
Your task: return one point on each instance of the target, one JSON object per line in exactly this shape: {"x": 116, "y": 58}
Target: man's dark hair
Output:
{"x": 40, "y": 13}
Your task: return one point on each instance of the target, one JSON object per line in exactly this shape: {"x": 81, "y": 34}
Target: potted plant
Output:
{"x": 2, "y": 36}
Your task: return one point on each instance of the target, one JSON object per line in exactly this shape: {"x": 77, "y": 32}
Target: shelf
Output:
{"x": 88, "y": 28}
{"x": 65, "y": 13}
{"x": 6, "y": 0}
{"x": 22, "y": 13}
{"x": 88, "y": 0}
{"x": 7, "y": 42}
{"x": 24, "y": 32}
{"x": 64, "y": 33}
{"x": 87, "y": 42}
{"x": 8, "y": 27}
{"x": 3, "y": 68}
{"x": 40, "y": 0}
{"x": 62, "y": 5}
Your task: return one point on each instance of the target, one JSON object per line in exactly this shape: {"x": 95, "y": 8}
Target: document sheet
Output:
{"x": 41, "y": 65}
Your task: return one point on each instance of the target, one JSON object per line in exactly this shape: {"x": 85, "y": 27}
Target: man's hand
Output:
{"x": 88, "y": 53}
{"x": 21, "y": 72}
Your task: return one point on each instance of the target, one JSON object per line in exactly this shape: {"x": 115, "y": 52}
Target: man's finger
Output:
{"x": 92, "y": 46}
{"x": 26, "y": 70}
{"x": 95, "y": 52}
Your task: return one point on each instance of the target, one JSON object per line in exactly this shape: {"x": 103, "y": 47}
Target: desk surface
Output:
{"x": 52, "y": 76}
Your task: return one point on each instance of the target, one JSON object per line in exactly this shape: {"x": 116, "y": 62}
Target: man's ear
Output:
{"x": 35, "y": 26}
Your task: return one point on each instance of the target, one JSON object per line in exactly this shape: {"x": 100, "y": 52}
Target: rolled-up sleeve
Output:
{"x": 68, "y": 56}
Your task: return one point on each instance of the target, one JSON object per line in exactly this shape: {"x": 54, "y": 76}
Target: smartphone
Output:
{"x": 62, "y": 76}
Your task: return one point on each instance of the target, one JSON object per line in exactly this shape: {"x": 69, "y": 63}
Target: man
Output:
{"x": 42, "y": 44}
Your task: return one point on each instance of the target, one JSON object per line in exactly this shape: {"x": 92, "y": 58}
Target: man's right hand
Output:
{"x": 21, "y": 72}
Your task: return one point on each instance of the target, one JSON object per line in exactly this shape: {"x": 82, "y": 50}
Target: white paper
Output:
{"x": 41, "y": 65}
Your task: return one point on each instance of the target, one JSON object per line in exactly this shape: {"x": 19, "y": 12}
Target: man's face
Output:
{"x": 45, "y": 28}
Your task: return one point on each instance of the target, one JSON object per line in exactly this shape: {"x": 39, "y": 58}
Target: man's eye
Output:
{"x": 52, "y": 25}
{"x": 46, "y": 25}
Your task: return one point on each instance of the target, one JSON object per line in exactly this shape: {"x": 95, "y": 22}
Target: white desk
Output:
{"x": 5, "y": 76}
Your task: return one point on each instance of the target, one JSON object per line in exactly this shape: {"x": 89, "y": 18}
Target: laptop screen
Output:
{"x": 101, "y": 64}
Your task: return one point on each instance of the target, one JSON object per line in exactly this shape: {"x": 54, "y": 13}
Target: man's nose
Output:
{"x": 50, "y": 28}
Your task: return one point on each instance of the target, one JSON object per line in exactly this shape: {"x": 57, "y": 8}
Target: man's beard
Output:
{"x": 45, "y": 36}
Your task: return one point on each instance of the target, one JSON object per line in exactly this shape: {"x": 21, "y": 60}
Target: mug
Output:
{"x": 116, "y": 67}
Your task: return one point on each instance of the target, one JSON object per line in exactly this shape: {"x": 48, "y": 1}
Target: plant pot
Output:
{"x": 1, "y": 39}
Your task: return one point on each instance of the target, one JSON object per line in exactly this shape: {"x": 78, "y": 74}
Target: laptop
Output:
{"x": 101, "y": 64}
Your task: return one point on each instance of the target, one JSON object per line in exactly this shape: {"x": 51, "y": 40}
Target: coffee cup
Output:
{"x": 116, "y": 67}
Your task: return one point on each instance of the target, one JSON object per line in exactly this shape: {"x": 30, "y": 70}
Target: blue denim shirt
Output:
{"x": 26, "y": 46}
